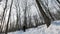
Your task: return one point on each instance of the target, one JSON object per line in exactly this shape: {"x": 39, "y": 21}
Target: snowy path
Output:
{"x": 53, "y": 29}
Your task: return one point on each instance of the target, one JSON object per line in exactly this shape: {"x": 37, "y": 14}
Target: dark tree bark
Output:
{"x": 47, "y": 9}
{"x": 4, "y": 11}
{"x": 58, "y": 1}
{"x": 46, "y": 18}
{"x": 9, "y": 17}
{"x": 50, "y": 12}
{"x": 2, "y": 20}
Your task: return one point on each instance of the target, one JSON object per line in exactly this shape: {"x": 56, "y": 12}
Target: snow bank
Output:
{"x": 53, "y": 29}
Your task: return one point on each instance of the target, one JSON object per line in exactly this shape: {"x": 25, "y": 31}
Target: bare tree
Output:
{"x": 3, "y": 14}
{"x": 17, "y": 16}
{"x": 49, "y": 12}
{"x": 58, "y": 1}
{"x": 47, "y": 9}
{"x": 36, "y": 20}
{"x": 46, "y": 18}
{"x": 4, "y": 11}
{"x": 9, "y": 17}
{"x": 19, "y": 19}
{"x": 18, "y": 22}
{"x": 25, "y": 18}
{"x": 30, "y": 23}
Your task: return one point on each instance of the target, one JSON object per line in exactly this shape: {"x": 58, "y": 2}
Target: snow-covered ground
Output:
{"x": 54, "y": 28}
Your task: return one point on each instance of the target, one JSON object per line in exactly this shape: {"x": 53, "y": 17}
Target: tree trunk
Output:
{"x": 46, "y": 18}
{"x": 9, "y": 17}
